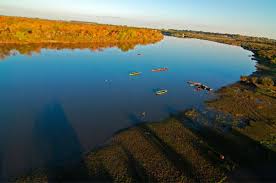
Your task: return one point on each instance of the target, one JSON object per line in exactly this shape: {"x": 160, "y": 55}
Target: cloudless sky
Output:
{"x": 250, "y": 17}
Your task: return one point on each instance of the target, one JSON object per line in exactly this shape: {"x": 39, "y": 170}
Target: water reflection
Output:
{"x": 28, "y": 49}
{"x": 171, "y": 110}
{"x": 135, "y": 119}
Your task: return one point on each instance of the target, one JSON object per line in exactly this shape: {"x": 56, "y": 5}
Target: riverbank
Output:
{"x": 19, "y": 30}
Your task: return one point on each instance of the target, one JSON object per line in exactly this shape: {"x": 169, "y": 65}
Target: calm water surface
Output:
{"x": 58, "y": 104}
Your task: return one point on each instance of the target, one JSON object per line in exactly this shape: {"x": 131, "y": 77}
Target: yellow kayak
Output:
{"x": 161, "y": 92}
{"x": 135, "y": 73}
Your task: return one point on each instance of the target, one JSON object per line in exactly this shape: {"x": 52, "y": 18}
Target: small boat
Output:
{"x": 199, "y": 86}
{"x": 135, "y": 73}
{"x": 161, "y": 92}
{"x": 160, "y": 69}
{"x": 204, "y": 87}
{"x": 191, "y": 83}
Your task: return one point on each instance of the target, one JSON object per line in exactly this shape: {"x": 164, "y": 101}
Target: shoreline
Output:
{"x": 30, "y": 30}
{"x": 63, "y": 42}
{"x": 246, "y": 42}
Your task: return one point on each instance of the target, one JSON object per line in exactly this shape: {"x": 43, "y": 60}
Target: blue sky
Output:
{"x": 250, "y": 17}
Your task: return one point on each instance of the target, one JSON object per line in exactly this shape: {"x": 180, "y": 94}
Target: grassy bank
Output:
{"x": 27, "y": 30}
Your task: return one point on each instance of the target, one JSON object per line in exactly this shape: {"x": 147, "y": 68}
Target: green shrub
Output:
{"x": 273, "y": 61}
{"x": 254, "y": 80}
{"x": 244, "y": 79}
{"x": 266, "y": 81}
{"x": 20, "y": 35}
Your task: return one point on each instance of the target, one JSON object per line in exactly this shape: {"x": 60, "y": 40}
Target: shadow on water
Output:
{"x": 3, "y": 154}
{"x": 135, "y": 119}
{"x": 55, "y": 138}
{"x": 1, "y": 164}
{"x": 171, "y": 110}
{"x": 57, "y": 143}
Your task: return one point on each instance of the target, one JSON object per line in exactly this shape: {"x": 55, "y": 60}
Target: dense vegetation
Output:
{"x": 27, "y": 30}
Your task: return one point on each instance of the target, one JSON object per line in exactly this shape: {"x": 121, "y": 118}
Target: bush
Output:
{"x": 20, "y": 35}
{"x": 244, "y": 79}
{"x": 266, "y": 81}
{"x": 273, "y": 61}
{"x": 254, "y": 80}
{"x": 37, "y": 30}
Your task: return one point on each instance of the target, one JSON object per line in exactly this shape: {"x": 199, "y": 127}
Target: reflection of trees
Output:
{"x": 28, "y": 49}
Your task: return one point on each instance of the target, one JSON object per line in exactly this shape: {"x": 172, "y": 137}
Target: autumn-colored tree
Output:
{"x": 26, "y": 30}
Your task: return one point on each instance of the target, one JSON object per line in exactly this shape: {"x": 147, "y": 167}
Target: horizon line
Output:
{"x": 135, "y": 26}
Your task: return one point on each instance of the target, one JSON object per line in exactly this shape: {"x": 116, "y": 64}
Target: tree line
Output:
{"x": 29, "y": 30}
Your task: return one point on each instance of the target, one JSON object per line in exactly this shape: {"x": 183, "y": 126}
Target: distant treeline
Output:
{"x": 263, "y": 48}
{"x": 28, "y": 30}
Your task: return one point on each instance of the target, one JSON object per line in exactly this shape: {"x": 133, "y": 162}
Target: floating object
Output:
{"x": 204, "y": 87}
{"x": 135, "y": 73}
{"x": 143, "y": 114}
{"x": 160, "y": 69}
{"x": 108, "y": 81}
{"x": 161, "y": 92}
{"x": 191, "y": 83}
{"x": 199, "y": 86}
{"x": 139, "y": 54}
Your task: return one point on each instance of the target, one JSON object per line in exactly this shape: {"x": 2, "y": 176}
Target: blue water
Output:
{"x": 58, "y": 104}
